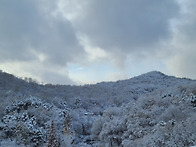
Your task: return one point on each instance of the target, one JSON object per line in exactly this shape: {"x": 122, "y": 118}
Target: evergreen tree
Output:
{"x": 52, "y": 139}
{"x": 67, "y": 125}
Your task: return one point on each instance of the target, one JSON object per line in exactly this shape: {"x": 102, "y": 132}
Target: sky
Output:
{"x": 89, "y": 41}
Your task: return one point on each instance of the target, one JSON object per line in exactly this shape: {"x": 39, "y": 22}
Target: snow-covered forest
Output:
{"x": 151, "y": 110}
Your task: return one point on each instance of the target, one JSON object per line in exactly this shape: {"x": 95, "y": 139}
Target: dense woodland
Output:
{"x": 149, "y": 110}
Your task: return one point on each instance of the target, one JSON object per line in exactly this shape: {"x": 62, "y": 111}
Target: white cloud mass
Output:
{"x": 42, "y": 38}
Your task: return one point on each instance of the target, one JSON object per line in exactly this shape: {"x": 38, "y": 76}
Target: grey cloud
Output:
{"x": 183, "y": 59}
{"x": 128, "y": 28}
{"x": 128, "y": 25}
{"x": 30, "y": 25}
{"x": 183, "y": 64}
{"x": 55, "y": 78}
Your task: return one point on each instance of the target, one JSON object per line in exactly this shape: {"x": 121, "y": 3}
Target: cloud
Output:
{"x": 127, "y": 27}
{"x": 33, "y": 26}
{"x": 42, "y": 38}
{"x": 44, "y": 73}
{"x": 183, "y": 56}
{"x": 34, "y": 31}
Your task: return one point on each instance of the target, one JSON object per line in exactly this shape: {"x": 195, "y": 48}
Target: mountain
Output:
{"x": 152, "y": 109}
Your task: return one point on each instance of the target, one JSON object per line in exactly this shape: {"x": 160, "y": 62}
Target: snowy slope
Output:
{"x": 149, "y": 110}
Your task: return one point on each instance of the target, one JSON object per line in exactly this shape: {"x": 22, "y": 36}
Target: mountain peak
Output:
{"x": 152, "y": 74}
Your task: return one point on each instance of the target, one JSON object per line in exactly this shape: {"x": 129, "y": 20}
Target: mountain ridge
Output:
{"x": 152, "y": 74}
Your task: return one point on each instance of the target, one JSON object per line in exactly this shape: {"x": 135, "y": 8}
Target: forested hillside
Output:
{"x": 149, "y": 110}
